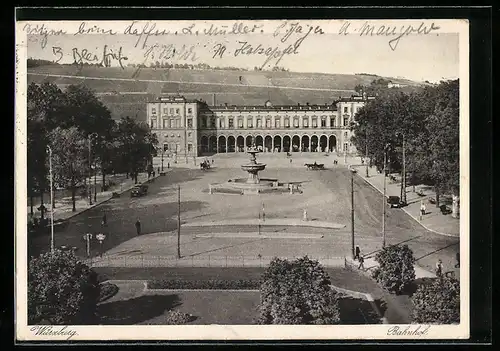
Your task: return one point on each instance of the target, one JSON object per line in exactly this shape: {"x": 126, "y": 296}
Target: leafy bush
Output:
{"x": 61, "y": 289}
{"x": 297, "y": 292}
{"x": 396, "y": 271}
{"x": 108, "y": 290}
{"x": 437, "y": 303}
{"x": 204, "y": 284}
{"x": 177, "y": 317}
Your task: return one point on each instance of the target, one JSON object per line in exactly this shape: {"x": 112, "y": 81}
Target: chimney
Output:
{"x": 213, "y": 100}
{"x": 307, "y": 103}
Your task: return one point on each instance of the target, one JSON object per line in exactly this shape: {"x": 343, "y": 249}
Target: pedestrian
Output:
{"x": 304, "y": 216}
{"x": 154, "y": 173}
{"x": 158, "y": 170}
{"x": 439, "y": 268}
{"x": 212, "y": 161}
{"x": 361, "y": 260}
{"x": 104, "y": 220}
{"x": 138, "y": 226}
{"x": 168, "y": 164}
{"x": 457, "y": 265}
{"x": 357, "y": 252}
{"x": 290, "y": 160}
{"x": 422, "y": 209}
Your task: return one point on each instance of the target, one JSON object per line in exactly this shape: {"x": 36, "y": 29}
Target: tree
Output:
{"x": 395, "y": 271}
{"x": 136, "y": 145}
{"x": 437, "y": 303}
{"x": 61, "y": 290}
{"x": 297, "y": 292}
{"x": 69, "y": 158}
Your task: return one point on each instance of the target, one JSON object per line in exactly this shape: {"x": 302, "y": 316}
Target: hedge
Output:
{"x": 241, "y": 284}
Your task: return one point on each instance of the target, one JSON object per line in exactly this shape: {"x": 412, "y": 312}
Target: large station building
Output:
{"x": 187, "y": 127}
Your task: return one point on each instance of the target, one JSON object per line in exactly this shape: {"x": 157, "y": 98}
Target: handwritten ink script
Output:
{"x": 409, "y": 330}
{"x": 396, "y": 32}
{"x": 103, "y": 57}
{"x": 49, "y": 330}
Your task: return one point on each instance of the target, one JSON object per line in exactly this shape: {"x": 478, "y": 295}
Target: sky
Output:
{"x": 432, "y": 57}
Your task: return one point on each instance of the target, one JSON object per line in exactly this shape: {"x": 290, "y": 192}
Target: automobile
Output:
{"x": 394, "y": 201}
{"x": 139, "y": 190}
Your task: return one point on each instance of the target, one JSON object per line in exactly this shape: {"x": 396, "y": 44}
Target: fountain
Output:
{"x": 253, "y": 184}
{"x": 253, "y": 168}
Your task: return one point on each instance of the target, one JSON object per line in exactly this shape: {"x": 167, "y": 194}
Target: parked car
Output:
{"x": 139, "y": 190}
{"x": 394, "y": 201}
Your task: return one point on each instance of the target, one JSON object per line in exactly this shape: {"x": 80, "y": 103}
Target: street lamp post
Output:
{"x": 352, "y": 211}
{"x": 162, "y": 153}
{"x": 51, "y": 201}
{"x": 90, "y": 166}
{"x": 383, "y": 202}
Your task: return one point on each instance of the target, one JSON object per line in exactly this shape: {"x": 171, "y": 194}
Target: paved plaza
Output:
{"x": 209, "y": 222}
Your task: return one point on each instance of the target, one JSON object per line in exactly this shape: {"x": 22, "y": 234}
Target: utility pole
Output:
{"x": 403, "y": 198}
{"x": 178, "y": 221}
{"x": 352, "y": 211}
{"x": 51, "y": 201}
{"x": 95, "y": 183}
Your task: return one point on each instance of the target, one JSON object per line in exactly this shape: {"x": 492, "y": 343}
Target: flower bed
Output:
{"x": 241, "y": 284}
{"x": 108, "y": 290}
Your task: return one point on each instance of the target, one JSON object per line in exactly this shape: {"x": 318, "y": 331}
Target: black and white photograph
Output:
{"x": 242, "y": 179}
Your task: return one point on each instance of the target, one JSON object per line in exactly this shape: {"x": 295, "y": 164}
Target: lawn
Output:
{"x": 211, "y": 307}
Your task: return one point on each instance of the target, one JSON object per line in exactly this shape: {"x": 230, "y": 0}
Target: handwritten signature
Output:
{"x": 48, "y": 330}
{"x": 397, "y": 32}
{"x": 82, "y": 56}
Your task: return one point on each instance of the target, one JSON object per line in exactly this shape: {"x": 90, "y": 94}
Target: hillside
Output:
{"x": 125, "y": 91}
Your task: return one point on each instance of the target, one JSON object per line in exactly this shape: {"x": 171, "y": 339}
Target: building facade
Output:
{"x": 188, "y": 128}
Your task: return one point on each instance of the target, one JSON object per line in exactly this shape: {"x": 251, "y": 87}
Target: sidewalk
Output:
{"x": 370, "y": 264}
{"x": 63, "y": 206}
{"x": 433, "y": 221}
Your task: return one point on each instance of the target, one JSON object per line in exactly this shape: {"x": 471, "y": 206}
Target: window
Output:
{"x": 165, "y": 110}
{"x": 305, "y": 122}
{"x": 212, "y": 122}
{"x": 332, "y": 122}
{"x": 315, "y": 122}
{"x": 177, "y": 123}
{"x": 268, "y": 123}
{"x": 346, "y": 109}
{"x": 221, "y": 123}
{"x": 250, "y": 122}
{"x": 171, "y": 111}
{"x": 277, "y": 122}
{"x": 259, "y": 123}
{"x": 295, "y": 122}
{"x": 345, "y": 146}
{"x": 153, "y": 111}
{"x": 153, "y": 124}
{"x": 189, "y": 134}
{"x": 345, "y": 134}
{"x": 190, "y": 123}
{"x": 190, "y": 147}
{"x": 346, "y": 121}
{"x": 203, "y": 122}
{"x": 190, "y": 110}
{"x": 165, "y": 121}
{"x": 240, "y": 122}
{"x": 323, "y": 122}
{"x": 177, "y": 111}
{"x": 165, "y": 147}
{"x": 287, "y": 122}
{"x": 230, "y": 123}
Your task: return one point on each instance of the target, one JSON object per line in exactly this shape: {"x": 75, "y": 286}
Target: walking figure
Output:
{"x": 104, "y": 220}
{"x": 212, "y": 161}
{"x": 138, "y": 226}
{"x": 422, "y": 209}
{"x": 290, "y": 160}
{"x": 357, "y": 252}
{"x": 168, "y": 164}
{"x": 439, "y": 268}
{"x": 361, "y": 262}
{"x": 158, "y": 170}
